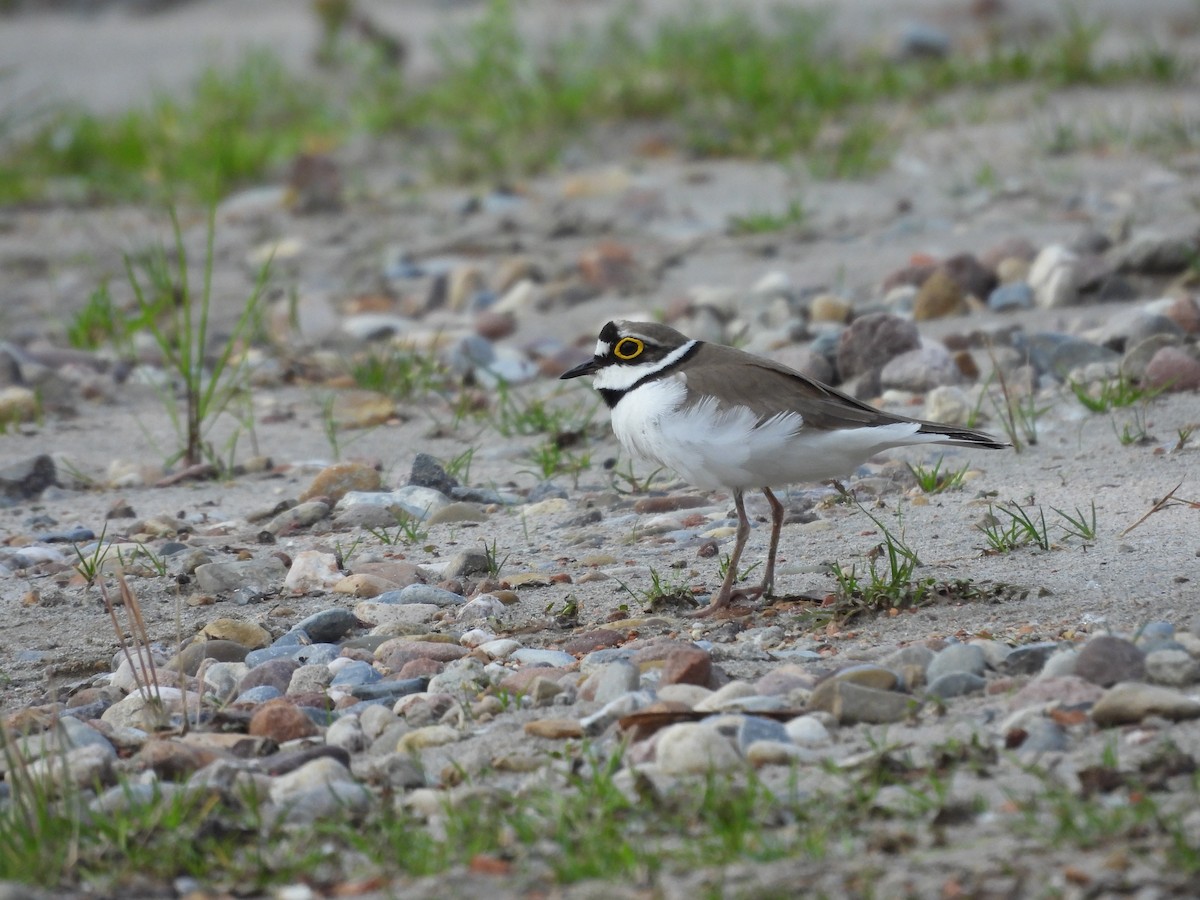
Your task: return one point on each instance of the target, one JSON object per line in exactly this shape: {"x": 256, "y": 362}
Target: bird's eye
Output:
{"x": 628, "y": 348}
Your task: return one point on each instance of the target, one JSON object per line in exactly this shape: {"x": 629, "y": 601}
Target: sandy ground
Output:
{"x": 859, "y": 231}
{"x": 927, "y": 202}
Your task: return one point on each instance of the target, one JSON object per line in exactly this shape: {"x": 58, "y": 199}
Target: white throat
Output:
{"x": 623, "y": 376}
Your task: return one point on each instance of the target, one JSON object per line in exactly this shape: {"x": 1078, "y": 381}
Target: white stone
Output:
{"x": 500, "y": 648}
{"x": 1054, "y": 277}
{"x": 695, "y": 748}
{"x": 312, "y": 571}
{"x": 808, "y": 731}
{"x": 346, "y": 733}
{"x": 383, "y": 615}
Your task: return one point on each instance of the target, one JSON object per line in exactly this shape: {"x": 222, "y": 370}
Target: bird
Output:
{"x": 723, "y": 418}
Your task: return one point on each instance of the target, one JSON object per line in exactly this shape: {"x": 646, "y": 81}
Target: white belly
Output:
{"x": 729, "y": 448}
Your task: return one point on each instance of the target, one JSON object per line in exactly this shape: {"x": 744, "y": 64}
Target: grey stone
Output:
{"x": 1042, "y": 735}
{"x": 921, "y": 370}
{"x": 27, "y": 478}
{"x": 546, "y": 490}
{"x": 955, "y": 684}
{"x": 871, "y": 341}
{"x": 912, "y": 655}
{"x": 390, "y": 689}
{"x": 746, "y": 729}
{"x": 357, "y": 672}
{"x": 614, "y": 679}
{"x": 1060, "y": 663}
{"x": 994, "y": 652}
{"x": 1106, "y": 660}
{"x": 1128, "y": 702}
{"x": 1155, "y": 632}
{"x": 259, "y": 694}
{"x": 422, "y": 593}
{"x": 1015, "y": 295}
{"x": 808, "y": 731}
{"x": 302, "y": 515}
{"x": 956, "y": 658}
{"x": 533, "y": 656}
{"x": 1171, "y": 666}
{"x": 850, "y": 703}
{"x": 1028, "y": 659}
{"x": 327, "y": 625}
{"x": 428, "y": 472}
{"x": 320, "y": 789}
{"x": 309, "y": 680}
{"x": 461, "y": 676}
{"x": 275, "y": 672}
{"x": 466, "y": 562}
{"x": 260, "y": 575}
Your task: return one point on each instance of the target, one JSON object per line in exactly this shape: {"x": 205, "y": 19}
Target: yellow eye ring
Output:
{"x": 628, "y": 348}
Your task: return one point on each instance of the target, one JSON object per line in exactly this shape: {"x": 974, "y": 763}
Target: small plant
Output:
{"x": 723, "y": 568}
{"x": 552, "y": 459}
{"x": 95, "y": 324}
{"x": 624, "y": 481}
{"x": 765, "y": 222}
{"x": 934, "y": 480}
{"x": 344, "y": 554}
{"x": 156, "y": 562}
{"x": 1020, "y": 531}
{"x": 493, "y": 560}
{"x": 519, "y": 414}
{"x": 180, "y": 328}
{"x": 662, "y": 593}
{"x": 1080, "y": 525}
{"x": 1018, "y": 414}
{"x": 1133, "y": 431}
{"x": 1112, "y": 393}
{"x": 883, "y": 586}
{"x": 408, "y": 531}
{"x": 1184, "y": 434}
{"x": 399, "y": 375}
{"x": 459, "y": 468}
{"x": 89, "y": 566}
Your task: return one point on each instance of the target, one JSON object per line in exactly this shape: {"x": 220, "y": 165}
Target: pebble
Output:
{"x": 530, "y": 656}
{"x": 422, "y": 593}
{"x": 1107, "y": 659}
{"x": 1028, "y": 659}
{"x": 695, "y": 749}
{"x": 250, "y": 635}
{"x": 326, "y": 626}
{"x": 1173, "y": 369}
{"x": 1013, "y": 295}
{"x": 808, "y": 731}
{"x": 262, "y": 575}
{"x": 940, "y": 295}
{"x": 1172, "y": 667}
{"x": 873, "y": 340}
{"x": 1129, "y": 702}
{"x": 850, "y": 703}
{"x": 917, "y": 371}
{"x": 1054, "y": 277}
{"x": 956, "y": 658}
{"x": 297, "y": 517}
{"x": 955, "y": 684}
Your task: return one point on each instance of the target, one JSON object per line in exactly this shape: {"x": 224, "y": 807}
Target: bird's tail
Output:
{"x": 963, "y": 436}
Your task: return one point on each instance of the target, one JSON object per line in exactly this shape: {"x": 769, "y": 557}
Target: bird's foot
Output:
{"x": 722, "y": 599}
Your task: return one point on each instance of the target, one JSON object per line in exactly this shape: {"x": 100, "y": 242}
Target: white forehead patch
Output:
{"x": 603, "y": 348}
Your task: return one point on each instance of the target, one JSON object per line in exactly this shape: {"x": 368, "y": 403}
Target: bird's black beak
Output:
{"x": 587, "y": 368}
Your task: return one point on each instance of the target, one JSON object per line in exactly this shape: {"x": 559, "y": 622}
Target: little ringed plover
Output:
{"x": 719, "y": 417}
